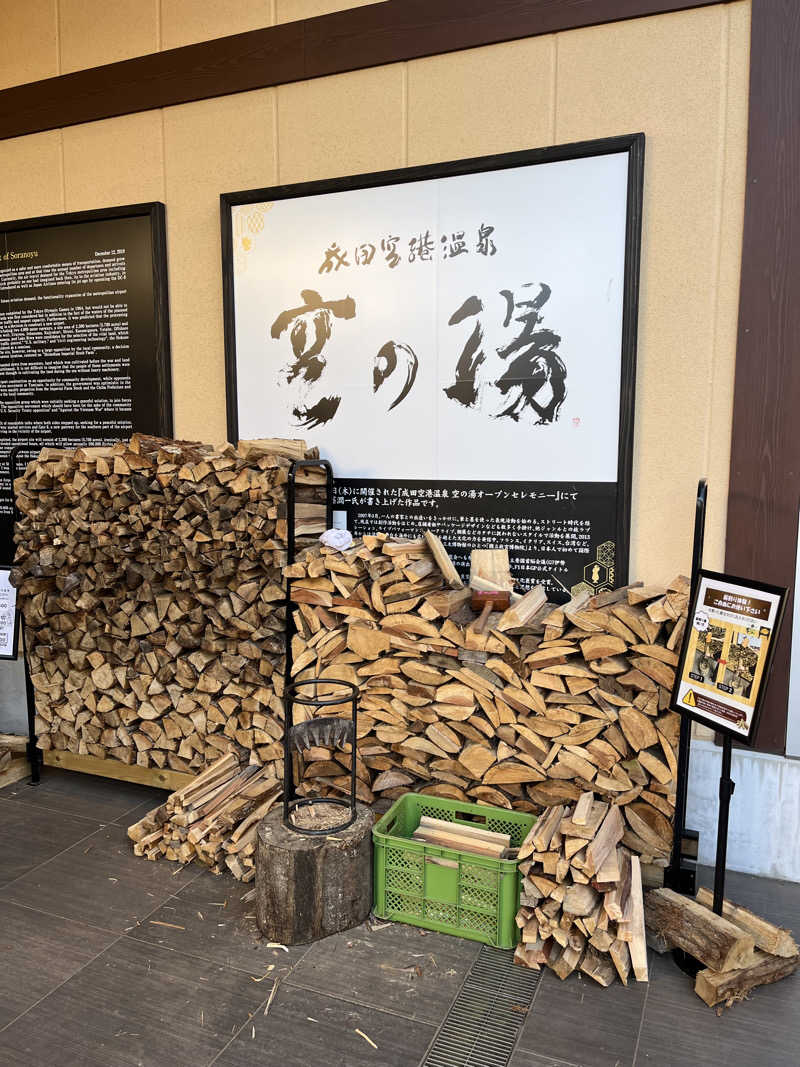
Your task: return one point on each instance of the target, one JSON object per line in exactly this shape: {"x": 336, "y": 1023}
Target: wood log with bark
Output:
{"x": 581, "y": 901}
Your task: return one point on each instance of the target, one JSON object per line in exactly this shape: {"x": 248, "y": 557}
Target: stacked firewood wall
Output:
{"x": 150, "y": 577}
{"x": 547, "y": 703}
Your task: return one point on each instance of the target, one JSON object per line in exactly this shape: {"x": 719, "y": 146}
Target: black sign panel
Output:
{"x": 556, "y": 534}
{"x": 84, "y": 336}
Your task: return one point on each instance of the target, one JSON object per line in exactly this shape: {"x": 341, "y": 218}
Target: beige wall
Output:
{"x": 681, "y": 78}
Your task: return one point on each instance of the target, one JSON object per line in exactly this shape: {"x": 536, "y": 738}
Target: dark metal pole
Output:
{"x": 288, "y": 628}
{"x": 674, "y": 875}
{"x": 32, "y": 750}
{"x": 726, "y": 788}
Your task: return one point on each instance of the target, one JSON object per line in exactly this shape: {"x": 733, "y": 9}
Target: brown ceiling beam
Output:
{"x": 348, "y": 40}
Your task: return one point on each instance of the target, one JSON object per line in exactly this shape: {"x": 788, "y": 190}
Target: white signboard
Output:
{"x": 463, "y": 331}
{"x": 8, "y": 616}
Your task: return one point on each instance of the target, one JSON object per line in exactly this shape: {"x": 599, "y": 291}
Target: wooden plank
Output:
{"x": 122, "y": 772}
{"x": 638, "y": 944}
{"x": 348, "y": 40}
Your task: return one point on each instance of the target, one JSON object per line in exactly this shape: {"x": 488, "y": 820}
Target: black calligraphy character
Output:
{"x": 485, "y": 246}
{"x": 464, "y": 390}
{"x": 311, "y": 326}
{"x": 389, "y": 248}
{"x": 420, "y": 247}
{"x": 538, "y": 369}
{"x": 455, "y": 246}
{"x": 389, "y": 357}
{"x": 334, "y": 258}
{"x": 365, "y": 254}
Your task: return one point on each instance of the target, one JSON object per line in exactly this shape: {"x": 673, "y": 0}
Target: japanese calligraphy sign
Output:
{"x": 459, "y": 340}
{"x": 727, "y": 652}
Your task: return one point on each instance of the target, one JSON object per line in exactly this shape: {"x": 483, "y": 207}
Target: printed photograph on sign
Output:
{"x": 727, "y": 650}
{"x": 461, "y": 326}
{"x": 9, "y": 623}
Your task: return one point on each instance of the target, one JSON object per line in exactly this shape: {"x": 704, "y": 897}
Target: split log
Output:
{"x": 714, "y": 987}
{"x": 772, "y": 939}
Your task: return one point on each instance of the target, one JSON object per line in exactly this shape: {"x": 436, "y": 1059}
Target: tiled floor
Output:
{"x": 110, "y": 960}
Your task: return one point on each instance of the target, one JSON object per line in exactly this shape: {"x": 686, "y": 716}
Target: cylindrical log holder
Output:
{"x": 325, "y": 731}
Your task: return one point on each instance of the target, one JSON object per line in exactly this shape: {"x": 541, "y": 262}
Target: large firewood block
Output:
{"x": 310, "y": 887}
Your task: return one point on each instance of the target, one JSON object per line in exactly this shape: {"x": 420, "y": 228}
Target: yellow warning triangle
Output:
{"x": 689, "y": 699}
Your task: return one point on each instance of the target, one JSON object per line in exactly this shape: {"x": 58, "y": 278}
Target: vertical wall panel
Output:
{"x": 94, "y": 32}
{"x": 117, "y": 161}
{"x": 189, "y": 21}
{"x": 665, "y": 76}
{"x": 481, "y": 101}
{"x": 348, "y": 124}
{"x": 292, "y": 10}
{"x": 236, "y": 132}
{"x": 28, "y": 41}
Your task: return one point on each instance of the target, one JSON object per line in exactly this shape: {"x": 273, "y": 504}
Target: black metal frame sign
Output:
{"x": 460, "y": 340}
{"x": 84, "y": 334}
{"x": 727, "y": 652}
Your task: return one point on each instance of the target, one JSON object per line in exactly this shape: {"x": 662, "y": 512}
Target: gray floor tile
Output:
{"x": 29, "y": 837}
{"x": 154, "y": 798}
{"x": 522, "y": 1058}
{"x": 134, "y": 1005}
{"x": 763, "y": 1030}
{"x": 580, "y": 1022}
{"x": 38, "y": 953}
{"x": 415, "y": 973}
{"x": 87, "y": 795}
{"x": 217, "y": 925}
{"x": 98, "y": 881}
{"x": 305, "y": 1028}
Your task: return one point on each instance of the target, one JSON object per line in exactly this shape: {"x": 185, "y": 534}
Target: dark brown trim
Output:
{"x": 765, "y": 452}
{"x": 311, "y": 48}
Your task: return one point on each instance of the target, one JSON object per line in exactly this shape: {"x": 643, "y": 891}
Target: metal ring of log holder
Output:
{"x": 324, "y": 731}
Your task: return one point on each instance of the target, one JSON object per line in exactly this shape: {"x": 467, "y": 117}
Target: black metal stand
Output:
{"x": 32, "y": 751}
{"x": 680, "y": 876}
{"x": 295, "y": 737}
{"x": 726, "y": 788}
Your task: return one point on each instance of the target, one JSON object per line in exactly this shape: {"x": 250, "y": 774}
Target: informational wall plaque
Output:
{"x": 84, "y": 334}
{"x": 459, "y": 340}
{"x": 727, "y": 650}
{"x": 8, "y": 616}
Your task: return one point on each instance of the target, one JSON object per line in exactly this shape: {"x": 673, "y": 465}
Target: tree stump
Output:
{"x": 309, "y": 887}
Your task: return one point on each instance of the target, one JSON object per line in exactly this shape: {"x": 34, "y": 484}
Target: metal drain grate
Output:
{"x": 481, "y": 1027}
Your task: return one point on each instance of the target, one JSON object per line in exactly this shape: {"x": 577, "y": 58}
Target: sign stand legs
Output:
{"x": 680, "y": 878}
{"x": 32, "y": 751}
{"x": 726, "y": 788}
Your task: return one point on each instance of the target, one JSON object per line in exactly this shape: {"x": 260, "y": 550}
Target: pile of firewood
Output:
{"x": 150, "y": 577}
{"x": 738, "y": 950}
{"x": 213, "y": 819}
{"x": 581, "y": 901}
{"x": 546, "y": 703}
{"x": 12, "y": 746}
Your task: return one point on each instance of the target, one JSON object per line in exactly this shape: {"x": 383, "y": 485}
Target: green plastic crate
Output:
{"x": 477, "y": 899}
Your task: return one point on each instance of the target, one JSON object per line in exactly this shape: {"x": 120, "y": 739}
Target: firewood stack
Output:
{"x": 150, "y": 577}
{"x": 213, "y": 819}
{"x": 548, "y": 702}
{"x": 581, "y": 901}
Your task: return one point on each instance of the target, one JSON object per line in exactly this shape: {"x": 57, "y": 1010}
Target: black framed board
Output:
{"x": 460, "y": 341}
{"x": 726, "y": 658}
{"x": 84, "y": 334}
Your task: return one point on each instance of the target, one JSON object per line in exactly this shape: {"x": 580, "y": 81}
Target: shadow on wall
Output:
{"x": 764, "y": 831}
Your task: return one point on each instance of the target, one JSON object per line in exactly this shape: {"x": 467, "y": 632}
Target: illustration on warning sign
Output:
{"x": 727, "y": 652}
